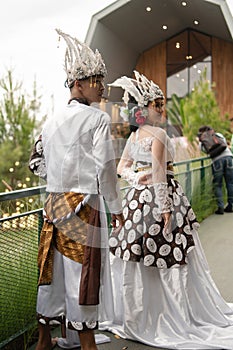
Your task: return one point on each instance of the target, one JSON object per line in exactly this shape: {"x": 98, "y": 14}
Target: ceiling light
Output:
{"x": 189, "y": 57}
{"x": 164, "y": 27}
{"x": 184, "y": 3}
{"x": 196, "y": 22}
{"x": 177, "y": 45}
{"x": 148, "y": 8}
{"x": 199, "y": 71}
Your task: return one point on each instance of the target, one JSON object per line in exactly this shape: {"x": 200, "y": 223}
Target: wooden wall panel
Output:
{"x": 222, "y": 74}
{"x": 152, "y": 63}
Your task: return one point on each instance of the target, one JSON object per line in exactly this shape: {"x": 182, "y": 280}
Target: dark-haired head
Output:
{"x": 204, "y": 128}
{"x": 133, "y": 108}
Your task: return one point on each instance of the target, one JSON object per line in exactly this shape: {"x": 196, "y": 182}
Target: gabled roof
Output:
{"x": 123, "y": 30}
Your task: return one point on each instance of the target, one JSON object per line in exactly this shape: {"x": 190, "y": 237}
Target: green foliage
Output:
{"x": 201, "y": 108}
{"x": 18, "y": 124}
{"x": 197, "y": 109}
{"x": 19, "y": 275}
{"x": 175, "y": 111}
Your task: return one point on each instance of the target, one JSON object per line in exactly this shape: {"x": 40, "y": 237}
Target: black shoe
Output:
{"x": 219, "y": 211}
{"x": 228, "y": 209}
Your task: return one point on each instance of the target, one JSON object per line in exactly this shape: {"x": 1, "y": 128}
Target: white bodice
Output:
{"x": 140, "y": 150}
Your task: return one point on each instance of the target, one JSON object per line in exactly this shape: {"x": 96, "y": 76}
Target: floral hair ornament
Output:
{"x": 138, "y": 113}
{"x": 80, "y": 61}
{"x": 140, "y": 117}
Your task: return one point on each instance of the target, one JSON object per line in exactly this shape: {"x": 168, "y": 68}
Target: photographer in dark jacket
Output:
{"x": 222, "y": 168}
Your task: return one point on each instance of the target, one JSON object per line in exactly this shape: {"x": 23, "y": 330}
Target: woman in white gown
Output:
{"x": 164, "y": 295}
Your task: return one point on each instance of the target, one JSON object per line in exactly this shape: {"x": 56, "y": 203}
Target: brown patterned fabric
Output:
{"x": 90, "y": 277}
{"x": 143, "y": 237}
{"x": 45, "y": 254}
{"x": 72, "y": 235}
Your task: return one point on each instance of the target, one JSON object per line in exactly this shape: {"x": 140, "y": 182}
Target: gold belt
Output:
{"x": 169, "y": 167}
{"x": 143, "y": 168}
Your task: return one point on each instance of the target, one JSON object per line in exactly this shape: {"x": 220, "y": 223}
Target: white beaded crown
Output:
{"x": 142, "y": 89}
{"x": 80, "y": 61}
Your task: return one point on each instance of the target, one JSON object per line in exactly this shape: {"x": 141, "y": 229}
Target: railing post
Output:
{"x": 202, "y": 177}
{"x": 188, "y": 184}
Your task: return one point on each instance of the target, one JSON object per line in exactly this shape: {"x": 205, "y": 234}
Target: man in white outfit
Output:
{"x": 82, "y": 186}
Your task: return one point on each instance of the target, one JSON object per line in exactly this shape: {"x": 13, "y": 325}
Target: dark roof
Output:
{"x": 123, "y": 30}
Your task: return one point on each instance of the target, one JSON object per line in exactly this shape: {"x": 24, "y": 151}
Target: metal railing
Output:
{"x": 19, "y": 234}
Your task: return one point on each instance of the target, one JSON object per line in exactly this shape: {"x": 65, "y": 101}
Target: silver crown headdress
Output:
{"x": 142, "y": 89}
{"x": 80, "y": 61}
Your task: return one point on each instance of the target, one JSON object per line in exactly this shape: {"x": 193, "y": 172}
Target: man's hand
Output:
{"x": 119, "y": 218}
{"x": 167, "y": 220}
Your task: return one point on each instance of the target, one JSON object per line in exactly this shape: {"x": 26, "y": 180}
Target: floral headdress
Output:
{"x": 141, "y": 89}
{"x": 80, "y": 61}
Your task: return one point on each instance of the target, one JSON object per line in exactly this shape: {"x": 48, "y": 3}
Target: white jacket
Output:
{"x": 79, "y": 154}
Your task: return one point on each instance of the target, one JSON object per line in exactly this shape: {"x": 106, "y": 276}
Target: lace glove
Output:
{"x": 130, "y": 176}
{"x": 162, "y": 198}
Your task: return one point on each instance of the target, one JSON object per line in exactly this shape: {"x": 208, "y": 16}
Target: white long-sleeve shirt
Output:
{"x": 79, "y": 154}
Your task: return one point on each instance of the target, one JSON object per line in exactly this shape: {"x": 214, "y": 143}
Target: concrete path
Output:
{"x": 216, "y": 235}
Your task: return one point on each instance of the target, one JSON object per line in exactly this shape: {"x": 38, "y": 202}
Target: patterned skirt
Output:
{"x": 144, "y": 238}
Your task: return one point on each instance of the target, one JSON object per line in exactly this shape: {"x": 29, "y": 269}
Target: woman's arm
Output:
{"x": 124, "y": 168}
{"x": 159, "y": 174}
{"x": 126, "y": 161}
{"x": 159, "y": 157}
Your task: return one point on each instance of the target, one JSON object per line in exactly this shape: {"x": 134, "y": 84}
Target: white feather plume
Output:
{"x": 129, "y": 86}
{"x": 142, "y": 89}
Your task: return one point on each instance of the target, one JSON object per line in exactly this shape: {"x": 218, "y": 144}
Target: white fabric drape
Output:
{"x": 176, "y": 308}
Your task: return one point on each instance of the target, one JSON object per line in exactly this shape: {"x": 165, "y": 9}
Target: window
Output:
{"x": 188, "y": 53}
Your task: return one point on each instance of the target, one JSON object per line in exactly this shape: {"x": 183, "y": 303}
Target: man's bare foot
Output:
{"x": 47, "y": 347}
{"x": 54, "y": 342}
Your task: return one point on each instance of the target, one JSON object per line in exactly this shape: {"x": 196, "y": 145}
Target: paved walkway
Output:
{"x": 216, "y": 235}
